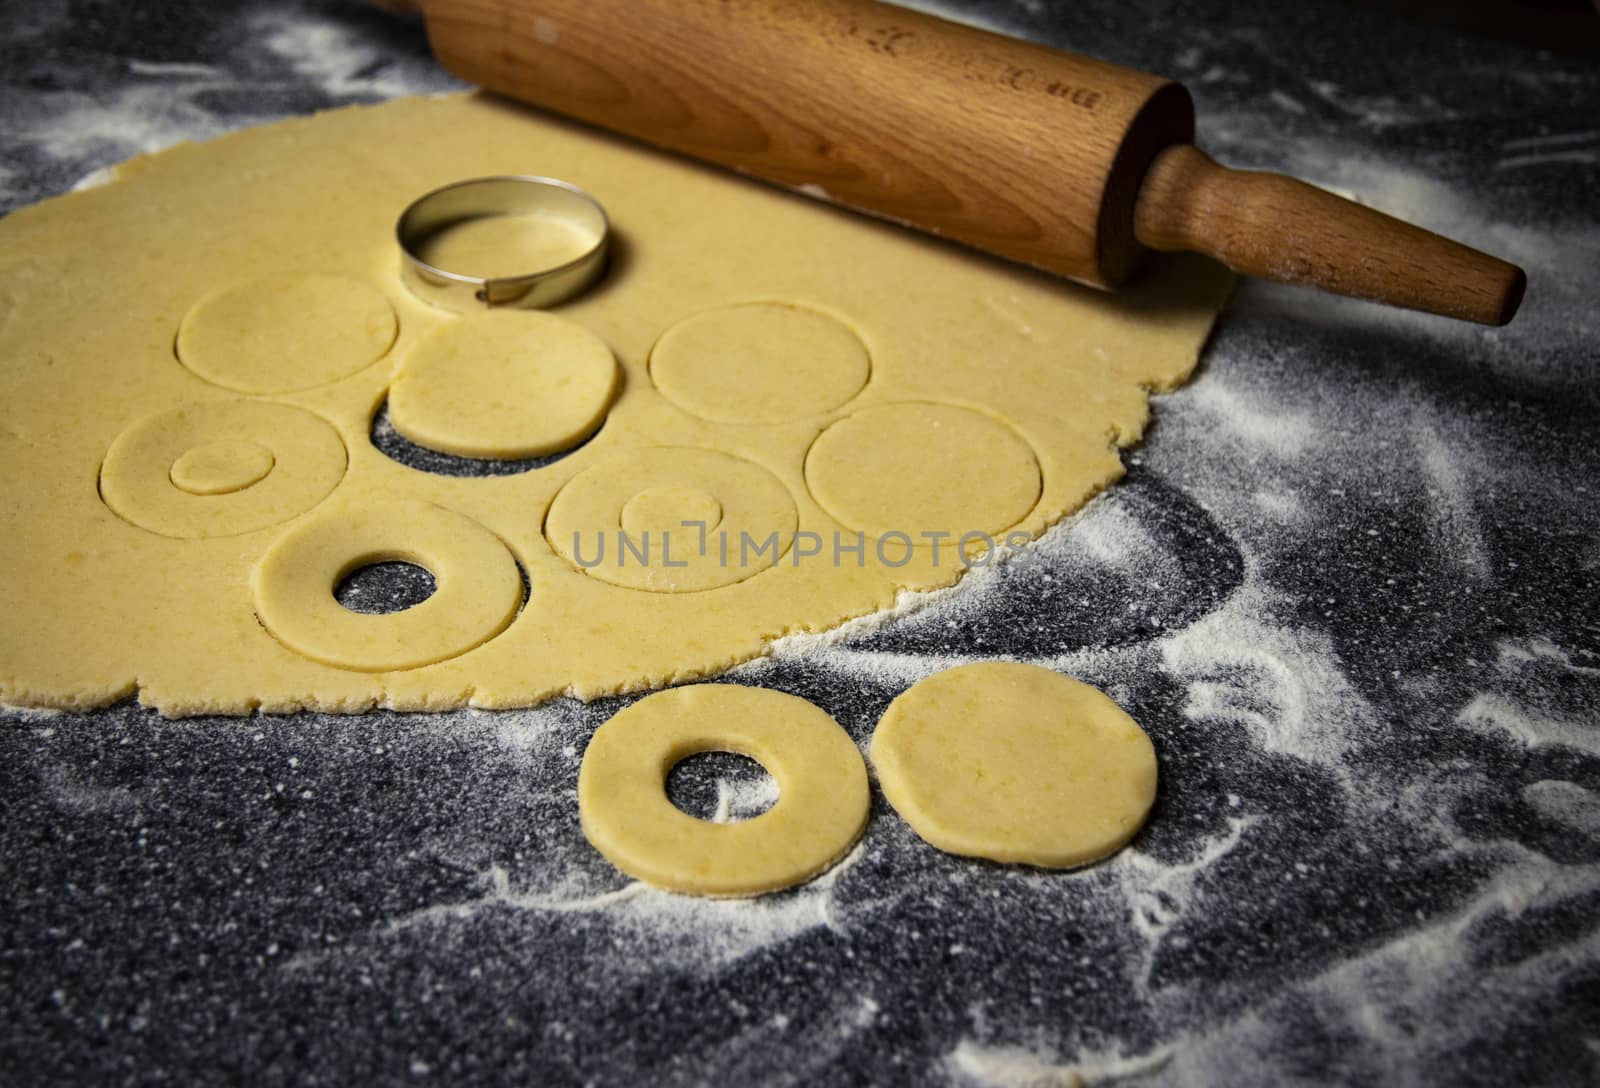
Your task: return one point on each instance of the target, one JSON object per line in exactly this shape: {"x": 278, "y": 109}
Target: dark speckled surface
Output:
{"x": 1349, "y": 587}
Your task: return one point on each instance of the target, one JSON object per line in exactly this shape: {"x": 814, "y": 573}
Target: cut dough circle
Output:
{"x": 186, "y": 472}
{"x": 478, "y": 587}
{"x": 822, "y": 791}
{"x": 759, "y": 362}
{"x": 504, "y": 384}
{"x": 658, "y": 510}
{"x": 599, "y": 520}
{"x": 221, "y": 468}
{"x": 919, "y": 468}
{"x": 1015, "y": 763}
{"x": 286, "y": 333}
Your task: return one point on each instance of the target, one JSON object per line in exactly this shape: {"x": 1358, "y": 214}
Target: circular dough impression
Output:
{"x": 1015, "y": 763}
{"x": 759, "y": 362}
{"x": 221, "y": 468}
{"x": 822, "y": 791}
{"x": 923, "y": 468}
{"x": 623, "y": 521}
{"x": 286, "y": 333}
{"x": 478, "y": 588}
{"x": 504, "y": 384}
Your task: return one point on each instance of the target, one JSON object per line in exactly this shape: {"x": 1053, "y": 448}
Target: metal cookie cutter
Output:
{"x": 494, "y": 197}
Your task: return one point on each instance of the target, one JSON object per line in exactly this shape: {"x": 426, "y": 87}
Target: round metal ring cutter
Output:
{"x": 485, "y": 198}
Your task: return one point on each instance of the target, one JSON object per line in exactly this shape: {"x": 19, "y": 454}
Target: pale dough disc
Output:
{"x": 627, "y": 816}
{"x": 672, "y": 520}
{"x": 923, "y": 468}
{"x": 1015, "y": 763}
{"x": 283, "y": 333}
{"x": 504, "y": 384}
{"x": 221, "y": 469}
{"x": 477, "y": 587}
{"x": 282, "y": 278}
{"x": 759, "y": 362}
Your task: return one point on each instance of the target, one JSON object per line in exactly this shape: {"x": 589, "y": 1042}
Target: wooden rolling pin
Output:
{"x": 1059, "y": 161}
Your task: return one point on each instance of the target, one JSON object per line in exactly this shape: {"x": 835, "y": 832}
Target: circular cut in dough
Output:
{"x": 478, "y": 588}
{"x": 759, "y": 362}
{"x": 1015, "y": 763}
{"x": 286, "y": 333}
{"x": 221, "y": 468}
{"x": 822, "y": 791}
{"x": 622, "y": 521}
{"x": 918, "y": 468}
{"x": 504, "y": 384}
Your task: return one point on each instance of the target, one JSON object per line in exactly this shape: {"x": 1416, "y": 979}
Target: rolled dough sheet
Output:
{"x": 148, "y": 486}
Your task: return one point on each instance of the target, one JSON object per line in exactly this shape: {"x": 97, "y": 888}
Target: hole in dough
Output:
{"x": 398, "y": 448}
{"x": 490, "y": 246}
{"x": 478, "y": 594}
{"x": 286, "y": 333}
{"x": 379, "y": 588}
{"x": 721, "y": 787}
{"x": 759, "y": 362}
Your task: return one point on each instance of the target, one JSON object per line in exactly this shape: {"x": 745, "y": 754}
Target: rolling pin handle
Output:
{"x": 1275, "y": 227}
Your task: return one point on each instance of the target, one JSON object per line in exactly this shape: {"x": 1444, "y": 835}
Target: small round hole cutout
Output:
{"x": 378, "y": 589}
{"x": 721, "y": 787}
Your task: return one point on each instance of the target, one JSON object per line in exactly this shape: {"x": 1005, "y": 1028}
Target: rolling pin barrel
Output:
{"x": 1012, "y": 147}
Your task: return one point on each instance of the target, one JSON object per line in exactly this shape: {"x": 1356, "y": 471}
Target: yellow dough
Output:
{"x": 778, "y": 370}
{"x": 1015, "y": 763}
{"x": 689, "y": 519}
{"x": 760, "y": 362}
{"x": 221, "y": 468}
{"x": 822, "y": 791}
{"x": 507, "y": 383}
{"x": 923, "y": 469}
{"x": 284, "y": 333}
{"x": 477, "y": 587}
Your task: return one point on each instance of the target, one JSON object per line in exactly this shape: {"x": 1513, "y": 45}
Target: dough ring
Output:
{"x": 822, "y": 791}
{"x": 918, "y": 468}
{"x": 221, "y": 468}
{"x": 286, "y": 333}
{"x": 759, "y": 362}
{"x": 622, "y": 521}
{"x": 1015, "y": 763}
{"x": 479, "y": 588}
{"x": 504, "y": 384}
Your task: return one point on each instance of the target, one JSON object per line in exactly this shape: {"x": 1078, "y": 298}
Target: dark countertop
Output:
{"x": 1349, "y": 586}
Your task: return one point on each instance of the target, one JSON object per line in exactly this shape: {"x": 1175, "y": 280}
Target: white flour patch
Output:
{"x": 1453, "y": 513}
{"x": 1285, "y": 686}
{"x": 668, "y": 930}
{"x": 131, "y": 120}
{"x": 331, "y": 57}
{"x": 1496, "y": 714}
